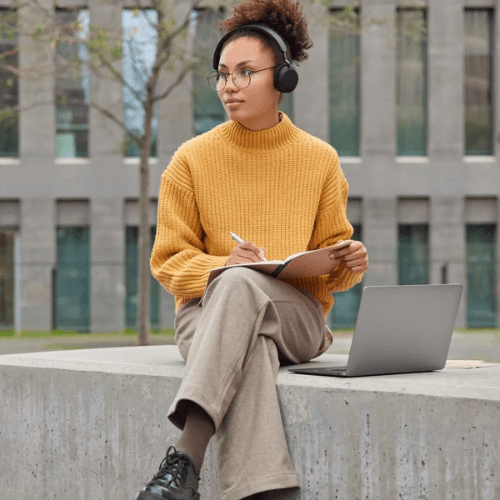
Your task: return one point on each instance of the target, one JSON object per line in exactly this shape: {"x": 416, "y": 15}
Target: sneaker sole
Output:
{"x": 147, "y": 495}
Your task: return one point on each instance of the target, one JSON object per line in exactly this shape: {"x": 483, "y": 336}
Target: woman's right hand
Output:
{"x": 245, "y": 252}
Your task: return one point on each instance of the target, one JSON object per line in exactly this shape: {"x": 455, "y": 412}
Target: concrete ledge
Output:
{"x": 91, "y": 424}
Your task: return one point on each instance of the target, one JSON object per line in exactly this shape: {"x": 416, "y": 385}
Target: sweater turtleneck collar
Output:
{"x": 273, "y": 138}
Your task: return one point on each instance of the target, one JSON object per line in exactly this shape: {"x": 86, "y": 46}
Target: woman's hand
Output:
{"x": 245, "y": 252}
{"x": 355, "y": 256}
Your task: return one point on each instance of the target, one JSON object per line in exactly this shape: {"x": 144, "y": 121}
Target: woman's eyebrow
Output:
{"x": 242, "y": 63}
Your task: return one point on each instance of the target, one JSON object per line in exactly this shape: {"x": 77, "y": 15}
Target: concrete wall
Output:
{"x": 36, "y": 181}
{"x": 92, "y": 424}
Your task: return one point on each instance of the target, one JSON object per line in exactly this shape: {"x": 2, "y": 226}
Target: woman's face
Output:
{"x": 257, "y": 108}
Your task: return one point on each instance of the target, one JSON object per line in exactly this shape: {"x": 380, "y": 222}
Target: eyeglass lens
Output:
{"x": 241, "y": 79}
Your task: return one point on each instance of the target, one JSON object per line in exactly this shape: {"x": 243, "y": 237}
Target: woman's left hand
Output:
{"x": 355, "y": 256}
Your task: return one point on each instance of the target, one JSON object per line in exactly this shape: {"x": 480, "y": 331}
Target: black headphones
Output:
{"x": 285, "y": 76}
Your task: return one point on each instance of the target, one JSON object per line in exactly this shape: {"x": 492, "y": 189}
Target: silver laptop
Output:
{"x": 399, "y": 329}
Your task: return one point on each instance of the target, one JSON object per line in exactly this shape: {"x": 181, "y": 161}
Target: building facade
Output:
{"x": 415, "y": 120}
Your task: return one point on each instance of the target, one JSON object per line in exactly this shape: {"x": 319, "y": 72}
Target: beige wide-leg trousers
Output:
{"x": 233, "y": 341}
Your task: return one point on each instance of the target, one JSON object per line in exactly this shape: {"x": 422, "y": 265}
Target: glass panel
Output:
{"x": 139, "y": 52}
{"x": 9, "y": 118}
{"x": 207, "y": 108}
{"x": 345, "y": 309}
{"x": 132, "y": 281}
{"x": 287, "y": 105}
{"x": 411, "y": 82}
{"x": 72, "y": 86}
{"x": 6, "y": 279}
{"x": 344, "y": 82}
{"x": 413, "y": 258}
{"x": 72, "y": 287}
{"x": 481, "y": 280}
{"x": 478, "y": 71}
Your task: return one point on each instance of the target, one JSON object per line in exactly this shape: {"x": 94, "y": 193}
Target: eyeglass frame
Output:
{"x": 213, "y": 73}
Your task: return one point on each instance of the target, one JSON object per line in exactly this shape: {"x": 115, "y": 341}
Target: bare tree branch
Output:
{"x": 182, "y": 74}
{"x": 10, "y": 69}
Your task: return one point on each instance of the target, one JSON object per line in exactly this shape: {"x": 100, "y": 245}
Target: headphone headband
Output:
{"x": 259, "y": 27}
{"x": 285, "y": 77}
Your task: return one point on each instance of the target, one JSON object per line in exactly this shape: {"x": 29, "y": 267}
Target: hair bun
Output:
{"x": 283, "y": 16}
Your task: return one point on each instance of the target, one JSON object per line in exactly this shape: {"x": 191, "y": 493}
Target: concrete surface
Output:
{"x": 92, "y": 424}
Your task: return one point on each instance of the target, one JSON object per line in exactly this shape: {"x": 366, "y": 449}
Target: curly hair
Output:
{"x": 283, "y": 16}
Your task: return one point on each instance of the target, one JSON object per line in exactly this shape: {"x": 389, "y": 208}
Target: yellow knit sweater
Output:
{"x": 280, "y": 188}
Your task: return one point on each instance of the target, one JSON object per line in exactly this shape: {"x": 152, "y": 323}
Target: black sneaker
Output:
{"x": 176, "y": 479}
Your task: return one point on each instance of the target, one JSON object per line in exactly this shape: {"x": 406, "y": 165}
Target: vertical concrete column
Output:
{"x": 380, "y": 239}
{"x": 445, "y": 61}
{"x": 36, "y": 86}
{"x": 497, "y": 255}
{"x": 447, "y": 245}
{"x": 105, "y": 136}
{"x": 495, "y": 88}
{"x": 167, "y": 309}
{"x": 378, "y": 81}
{"x": 175, "y": 124}
{"x": 37, "y": 259}
{"x": 311, "y": 97}
{"x": 107, "y": 250}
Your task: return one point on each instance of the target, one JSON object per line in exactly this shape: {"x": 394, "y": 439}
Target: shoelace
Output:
{"x": 173, "y": 464}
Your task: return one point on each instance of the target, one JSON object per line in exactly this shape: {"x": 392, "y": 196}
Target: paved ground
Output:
{"x": 483, "y": 345}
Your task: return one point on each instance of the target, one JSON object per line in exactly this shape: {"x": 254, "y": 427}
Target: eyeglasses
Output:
{"x": 241, "y": 78}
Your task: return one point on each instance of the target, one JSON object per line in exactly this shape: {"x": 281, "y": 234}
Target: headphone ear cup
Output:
{"x": 286, "y": 78}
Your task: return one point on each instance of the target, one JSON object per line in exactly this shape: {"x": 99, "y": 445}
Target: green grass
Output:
{"x": 35, "y": 334}
{"x": 495, "y": 332}
{"x": 40, "y": 334}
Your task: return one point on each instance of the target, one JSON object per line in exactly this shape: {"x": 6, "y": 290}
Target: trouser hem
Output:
{"x": 266, "y": 483}
{"x": 191, "y": 393}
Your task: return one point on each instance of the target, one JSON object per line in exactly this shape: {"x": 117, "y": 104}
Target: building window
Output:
{"x": 139, "y": 52}
{"x": 132, "y": 281}
{"x": 481, "y": 276}
{"x": 345, "y": 310}
{"x": 479, "y": 40}
{"x": 287, "y": 105}
{"x": 207, "y": 108}
{"x": 72, "y": 280}
{"x": 411, "y": 82}
{"x": 72, "y": 85}
{"x": 344, "y": 82}
{"x": 9, "y": 116}
{"x": 413, "y": 254}
{"x": 6, "y": 279}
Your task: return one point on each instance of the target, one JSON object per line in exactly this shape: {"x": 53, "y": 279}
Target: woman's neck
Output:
{"x": 262, "y": 123}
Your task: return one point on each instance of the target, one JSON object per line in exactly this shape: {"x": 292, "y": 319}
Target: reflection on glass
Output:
{"x": 413, "y": 254}
{"x": 344, "y": 82}
{"x": 72, "y": 85}
{"x": 478, "y": 71}
{"x": 346, "y": 306}
{"x": 6, "y": 279}
{"x": 139, "y": 51}
{"x": 481, "y": 279}
{"x": 132, "y": 281}
{"x": 9, "y": 121}
{"x": 72, "y": 284}
{"x": 411, "y": 83}
{"x": 207, "y": 108}
{"x": 287, "y": 105}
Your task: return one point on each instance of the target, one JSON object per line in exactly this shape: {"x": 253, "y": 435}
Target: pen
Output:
{"x": 239, "y": 240}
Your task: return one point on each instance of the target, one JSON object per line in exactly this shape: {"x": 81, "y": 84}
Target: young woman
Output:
{"x": 284, "y": 192}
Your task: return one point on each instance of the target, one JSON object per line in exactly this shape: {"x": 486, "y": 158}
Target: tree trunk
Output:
{"x": 143, "y": 323}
